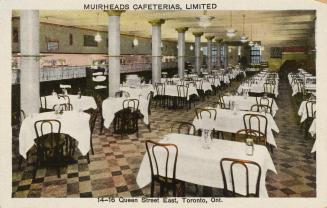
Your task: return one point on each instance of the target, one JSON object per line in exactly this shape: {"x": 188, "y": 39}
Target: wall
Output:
{"x": 52, "y": 32}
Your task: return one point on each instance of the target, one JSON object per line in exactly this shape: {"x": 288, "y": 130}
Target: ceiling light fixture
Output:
{"x": 231, "y": 32}
{"x": 191, "y": 47}
{"x": 204, "y": 20}
{"x": 243, "y": 38}
{"x": 135, "y": 42}
{"x": 98, "y": 37}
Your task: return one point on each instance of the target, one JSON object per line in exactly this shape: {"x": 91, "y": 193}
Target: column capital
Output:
{"x": 114, "y": 12}
{"x": 157, "y": 22}
{"x": 197, "y": 34}
{"x": 181, "y": 29}
{"x": 210, "y": 37}
{"x": 218, "y": 40}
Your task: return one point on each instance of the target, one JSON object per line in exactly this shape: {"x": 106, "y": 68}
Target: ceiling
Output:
{"x": 269, "y": 27}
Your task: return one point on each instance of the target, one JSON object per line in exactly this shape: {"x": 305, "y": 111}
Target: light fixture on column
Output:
{"x": 204, "y": 20}
{"x": 135, "y": 42}
{"x": 251, "y": 42}
{"x": 98, "y": 37}
{"x": 201, "y": 49}
{"x": 161, "y": 45}
{"x": 243, "y": 38}
{"x": 191, "y": 47}
{"x": 229, "y": 49}
{"x": 231, "y": 32}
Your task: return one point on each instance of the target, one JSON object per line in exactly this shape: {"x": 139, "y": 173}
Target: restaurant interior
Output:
{"x": 163, "y": 103}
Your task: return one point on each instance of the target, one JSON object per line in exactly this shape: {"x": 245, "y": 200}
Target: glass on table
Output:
{"x": 249, "y": 146}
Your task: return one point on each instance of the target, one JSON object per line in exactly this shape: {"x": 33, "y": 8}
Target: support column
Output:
{"x": 197, "y": 46}
{"x": 181, "y": 50}
{"x": 156, "y": 49}
{"x": 226, "y": 57}
{"x": 114, "y": 50}
{"x": 30, "y": 66}
{"x": 209, "y": 52}
{"x": 218, "y": 42}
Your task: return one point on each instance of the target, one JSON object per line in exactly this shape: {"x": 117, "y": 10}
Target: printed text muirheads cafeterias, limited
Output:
{"x": 186, "y": 6}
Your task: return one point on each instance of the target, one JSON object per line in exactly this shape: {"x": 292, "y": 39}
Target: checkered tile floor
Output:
{"x": 114, "y": 166}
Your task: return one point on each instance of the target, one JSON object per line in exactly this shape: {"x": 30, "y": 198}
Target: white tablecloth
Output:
{"x": 136, "y": 92}
{"x": 112, "y": 105}
{"x": 202, "y": 166}
{"x": 79, "y": 104}
{"x": 303, "y": 111}
{"x": 75, "y": 124}
{"x": 171, "y": 90}
{"x": 227, "y": 121}
{"x": 256, "y": 88}
{"x": 246, "y": 103}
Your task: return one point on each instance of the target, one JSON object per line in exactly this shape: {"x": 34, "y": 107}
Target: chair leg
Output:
{"x": 88, "y": 158}
{"x": 101, "y": 127}
{"x": 152, "y": 188}
{"x": 92, "y": 151}
{"x": 20, "y": 161}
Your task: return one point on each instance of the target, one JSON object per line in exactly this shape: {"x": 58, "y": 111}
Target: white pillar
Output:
{"x": 197, "y": 46}
{"x": 114, "y": 51}
{"x": 218, "y": 42}
{"x": 181, "y": 50}
{"x": 156, "y": 50}
{"x": 226, "y": 56}
{"x": 209, "y": 52}
{"x": 30, "y": 67}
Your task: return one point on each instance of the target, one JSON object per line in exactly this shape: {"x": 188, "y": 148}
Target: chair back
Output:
{"x": 163, "y": 160}
{"x": 210, "y": 112}
{"x": 261, "y": 108}
{"x": 257, "y": 136}
{"x": 132, "y": 104}
{"x": 50, "y": 127}
{"x": 256, "y": 122}
{"x": 310, "y": 107}
{"x": 269, "y": 88}
{"x": 122, "y": 93}
{"x": 233, "y": 166}
{"x": 63, "y": 107}
{"x": 160, "y": 88}
{"x": 183, "y": 127}
{"x": 149, "y": 99}
{"x": 65, "y": 97}
{"x": 93, "y": 117}
{"x": 182, "y": 91}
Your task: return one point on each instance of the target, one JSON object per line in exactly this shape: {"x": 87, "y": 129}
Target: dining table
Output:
{"x": 73, "y": 123}
{"x": 79, "y": 103}
{"x": 246, "y": 102}
{"x": 111, "y": 105}
{"x": 232, "y": 121}
{"x": 199, "y": 164}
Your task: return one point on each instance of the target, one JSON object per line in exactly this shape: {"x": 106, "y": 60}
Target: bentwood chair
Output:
{"x": 258, "y": 123}
{"x": 163, "y": 162}
{"x": 265, "y": 101}
{"x": 261, "y": 108}
{"x": 182, "y": 95}
{"x": 16, "y": 122}
{"x": 149, "y": 99}
{"x": 182, "y": 127}
{"x": 49, "y": 145}
{"x": 210, "y": 113}
{"x": 269, "y": 89}
{"x": 257, "y": 136}
{"x": 310, "y": 108}
{"x": 230, "y": 166}
{"x": 43, "y": 105}
{"x": 126, "y": 120}
{"x": 93, "y": 117}
{"x": 122, "y": 93}
{"x": 160, "y": 97}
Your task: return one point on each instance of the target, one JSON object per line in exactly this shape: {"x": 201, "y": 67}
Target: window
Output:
{"x": 255, "y": 55}
{"x": 222, "y": 54}
{"x": 71, "y": 41}
{"x": 214, "y": 55}
{"x": 89, "y": 41}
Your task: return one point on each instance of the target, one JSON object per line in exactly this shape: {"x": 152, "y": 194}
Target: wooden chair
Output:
{"x": 93, "y": 117}
{"x": 310, "y": 108}
{"x": 160, "y": 165}
{"x": 126, "y": 120}
{"x": 182, "y": 95}
{"x": 43, "y": 104}
{"x": 199, "y": 112}
{"x": 50, "y": 145}
{"x": 261, "y": 108}
{"x": 181, "y": 126}
{"x": 160, "y": 94}
{"x": 269, "y": 89}
{"x": 16, "y": 121}
{"x": 234, "y": 163}
{"x": 149, "y": 98}
{"x": 122, "y": 93}
{"x": 257, "y": 136}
